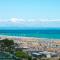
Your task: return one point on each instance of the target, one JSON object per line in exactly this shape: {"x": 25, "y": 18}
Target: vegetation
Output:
{"x": 6, "y": 45}
{"x": 21, "y": 54}
{"x": 29, "y": 57}
{"x": 35, "y": 59}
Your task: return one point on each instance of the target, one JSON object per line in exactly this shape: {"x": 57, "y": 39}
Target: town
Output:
{"x": 30, "y": 48}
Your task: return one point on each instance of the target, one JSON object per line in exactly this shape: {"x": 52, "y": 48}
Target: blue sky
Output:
{"x": 29, "y": 14}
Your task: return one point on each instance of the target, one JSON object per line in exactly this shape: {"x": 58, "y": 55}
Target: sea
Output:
{"x": 39, "y": 33}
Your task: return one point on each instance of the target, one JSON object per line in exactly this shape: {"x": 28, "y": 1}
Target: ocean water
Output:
{"x": 55, "y": 34}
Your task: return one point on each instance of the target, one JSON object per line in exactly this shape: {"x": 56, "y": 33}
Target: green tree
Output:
{"x": 21, "y": 54}
{"x": 29, "y": 57}
{"x": 7, "y": 45}
{"x": 8, "y": 42}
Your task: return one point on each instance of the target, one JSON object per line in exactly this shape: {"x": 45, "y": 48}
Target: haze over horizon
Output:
{"x": 29, "y": 14}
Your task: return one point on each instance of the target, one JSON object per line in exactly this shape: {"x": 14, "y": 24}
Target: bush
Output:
{"x": 35, "y": 59}
{"x": 29, "y": 57}
{"x": 21, "y": 54}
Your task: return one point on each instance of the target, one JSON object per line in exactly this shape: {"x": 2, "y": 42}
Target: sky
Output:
{"x": 26, "y": 14}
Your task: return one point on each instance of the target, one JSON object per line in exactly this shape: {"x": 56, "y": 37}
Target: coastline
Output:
{"x": 6, "y": 36}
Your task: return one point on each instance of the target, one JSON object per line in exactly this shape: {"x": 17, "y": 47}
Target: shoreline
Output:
{"x": 6, "y": 36}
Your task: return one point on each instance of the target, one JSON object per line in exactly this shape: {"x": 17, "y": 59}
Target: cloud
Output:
{"x": 20, "y": 22}
{"x": 16, "y": 20}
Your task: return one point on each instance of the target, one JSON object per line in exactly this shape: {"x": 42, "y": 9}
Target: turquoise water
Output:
{"x": 55, "y": 34}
